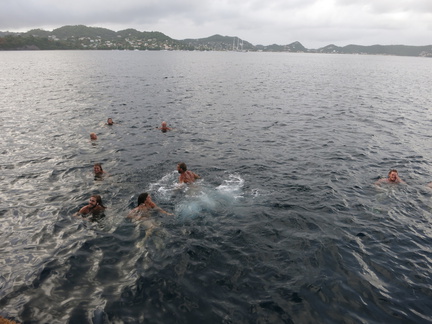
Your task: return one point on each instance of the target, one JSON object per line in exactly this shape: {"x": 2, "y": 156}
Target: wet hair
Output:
{"x": 98, "y": 200}
{"x": 93, "y": 136}
{"x": 142, "y": 198}
{"x": 110, "y": 120}
{"x": 392, "y": 170}
{"x": 182, "y": 166}
{"x": 99, "y": 165}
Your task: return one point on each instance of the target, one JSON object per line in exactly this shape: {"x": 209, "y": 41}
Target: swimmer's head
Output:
{"x": 97, "y": 168}
{"x": 110, "y": 121}
{"x": 142, "y": 198}
{"x": 392, "y": 175}
{"x": 181, "y": 167}
{"x": 164, "y": 124}
{"x": 96, "y": 200}
{"x": 93, "y": 136}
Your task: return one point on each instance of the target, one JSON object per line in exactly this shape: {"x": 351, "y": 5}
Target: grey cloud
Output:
{"x": 261, "y": 22}
{"x": 390, "y": 6}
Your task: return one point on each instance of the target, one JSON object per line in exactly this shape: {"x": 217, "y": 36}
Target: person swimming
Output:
{"x": 97, "y": 168}
{"x": 164, "y": 127}
{"x": 94, "y": 209}
{"x": 392, "y": 177}
{"x": 93, "y": 136}
{"x": 185, "y": 175}
{"x": 98, "y": 171}
{"x": 145, "y": 205}
{"x": 110, "y": 122}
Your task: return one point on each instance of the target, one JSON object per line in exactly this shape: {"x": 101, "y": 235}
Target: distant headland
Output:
{"x": 81, "y": 37}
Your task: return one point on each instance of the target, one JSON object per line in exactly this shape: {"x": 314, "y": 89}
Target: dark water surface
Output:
{"x": 286, "y": 225}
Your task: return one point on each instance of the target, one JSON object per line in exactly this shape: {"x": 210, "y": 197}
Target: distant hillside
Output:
{"x": 295, "y": 47}
{"x": 83, "y": 37}
{"x": 143, "y": 35}
{"x": 400, "y": 50}
{"x": 38, "y": 33}
{"x": 66, "y": 32}
{"x": 220, "y": 43}
{"x": 96, "y": 38}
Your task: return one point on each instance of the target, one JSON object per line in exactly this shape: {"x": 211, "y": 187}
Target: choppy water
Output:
{"x": 286, "y": 225}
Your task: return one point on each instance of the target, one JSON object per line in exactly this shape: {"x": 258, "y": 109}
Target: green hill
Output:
{"x": 97, "y": 38}
{"x": 78, "y": 31}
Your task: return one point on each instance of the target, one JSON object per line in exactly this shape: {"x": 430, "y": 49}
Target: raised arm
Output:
{"x": 399, "y": 180}
{"x": 162, "y": 211}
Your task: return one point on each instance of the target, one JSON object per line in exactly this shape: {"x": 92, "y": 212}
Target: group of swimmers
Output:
{"x": 164, "y": 128}
{"x": 95, "y": 206}
{"x": 109, "y": 122}
{"x": 94, "y": 209}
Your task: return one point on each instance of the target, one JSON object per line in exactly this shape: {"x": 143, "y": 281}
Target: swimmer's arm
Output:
{"x": 83, "y": 211}
{"x": 196, "y": 176}
{"x": 400, "y": 180}
{"x": 162, "y": 211}
{"x": 136, "y": 217}
{"x": 377, "y": 183}
{"x": 133, "y": 214}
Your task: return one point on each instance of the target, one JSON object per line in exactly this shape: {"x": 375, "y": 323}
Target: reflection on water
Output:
{"x": 285, "y": 225}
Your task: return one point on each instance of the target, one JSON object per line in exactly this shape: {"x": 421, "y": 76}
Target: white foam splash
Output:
{"x": 200, "y": 197}
{"x": 232, "y": 185}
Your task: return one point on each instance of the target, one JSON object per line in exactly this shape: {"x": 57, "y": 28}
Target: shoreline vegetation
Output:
{"x": 94, "y": 38}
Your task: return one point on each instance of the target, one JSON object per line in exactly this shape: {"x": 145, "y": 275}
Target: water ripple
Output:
{"x": 286, "y": 225}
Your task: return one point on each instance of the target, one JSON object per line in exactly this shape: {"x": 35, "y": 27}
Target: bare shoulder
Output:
{"x": 133, "y": 213}
{"x": 85, "y": 210}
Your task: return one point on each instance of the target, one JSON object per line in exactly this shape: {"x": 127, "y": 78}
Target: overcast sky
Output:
{"x": 314, "y": 23}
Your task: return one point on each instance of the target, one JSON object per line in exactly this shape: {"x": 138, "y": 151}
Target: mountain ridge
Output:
{"x": 84, "y": 37}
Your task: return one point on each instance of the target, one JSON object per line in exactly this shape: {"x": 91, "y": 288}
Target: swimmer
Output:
{"x": 110, "y": 122}
{"x": 98, "y": 171}
{"x": 164, "y": 128}
{"x": 94, "y": 208}
{"x": 145, "y": 204}
{"x": 185, "y": 175}
{"x": 393, "y": 177}
{"x": 93, "y": 136}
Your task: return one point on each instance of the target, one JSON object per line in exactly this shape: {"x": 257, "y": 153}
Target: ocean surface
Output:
{"x": 286, "y": 224}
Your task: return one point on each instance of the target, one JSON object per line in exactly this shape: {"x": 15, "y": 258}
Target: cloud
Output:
{"x": 389, "y": 6}
{"x": 312, "y": 22}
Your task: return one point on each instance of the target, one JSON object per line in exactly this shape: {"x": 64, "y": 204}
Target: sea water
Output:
{"x": 286, "y": 224}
